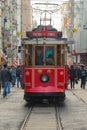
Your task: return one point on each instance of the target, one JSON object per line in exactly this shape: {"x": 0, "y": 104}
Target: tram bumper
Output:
{"x": 59, "y": 96}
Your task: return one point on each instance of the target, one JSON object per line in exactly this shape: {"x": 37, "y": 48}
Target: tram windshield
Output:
{"x": 49, "y": 55}
{"x": 41, "y": 58}
{"x": 45, "y": 55}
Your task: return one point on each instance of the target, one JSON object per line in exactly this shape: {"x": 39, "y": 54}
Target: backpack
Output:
{"x": 83, "y": 72}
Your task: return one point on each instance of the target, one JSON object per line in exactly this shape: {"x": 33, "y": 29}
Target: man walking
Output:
{"x": 18, "y": 75}
{"x": 83, "y": 76}
{"x": 73, "y": 76}
{"x": 13, "y": 75}
{"x": 5, "y": 78}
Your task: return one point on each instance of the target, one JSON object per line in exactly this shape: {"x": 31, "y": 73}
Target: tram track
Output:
{"x": 80, "y": 98}
{"x": 59, "y": 125}
{"x": 26, "y": 118}
{"x": 42, "y": 116}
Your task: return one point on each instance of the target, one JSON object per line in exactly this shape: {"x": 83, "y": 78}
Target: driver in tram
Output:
{"x": 39, "y": 57}
{"x": 50, "y": 59}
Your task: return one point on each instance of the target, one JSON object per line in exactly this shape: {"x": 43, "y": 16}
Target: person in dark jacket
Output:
{"x": 73, "y": 76}
{"x": 13, "y": 75}
{"x": 5, "y": 78}
{"x": 78, "y": 71}
{"x": 83, "y": 75}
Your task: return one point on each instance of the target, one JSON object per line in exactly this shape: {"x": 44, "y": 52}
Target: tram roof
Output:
{"x": 44, "y": 41}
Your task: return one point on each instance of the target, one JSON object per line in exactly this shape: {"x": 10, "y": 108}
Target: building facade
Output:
{"x": 26, "y": 17}
{"x": 80, "y": 37}
{"x": 9, "y": 27}
{"x": 76, "y": 29}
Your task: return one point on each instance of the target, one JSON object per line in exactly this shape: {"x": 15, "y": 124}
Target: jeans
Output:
{"x": 8, "y": 88}
{"x": 72, "y": 82}
{"x": 13, "y": 80}
{"x": 5, "y": 88}
{"x": 18, "y": 81}
{"x": 83, "y": 82}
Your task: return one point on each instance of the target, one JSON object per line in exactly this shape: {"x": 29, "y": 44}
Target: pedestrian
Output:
{"x": 5, "y": 78}
{"x": 18, "y": 76}
{"x": 78, "y": 71}
{"x": 73, "y": 76}
{"x": 86, "y": 73}
{"x": 83, "y": 75}
{"x": 13, "y": 75}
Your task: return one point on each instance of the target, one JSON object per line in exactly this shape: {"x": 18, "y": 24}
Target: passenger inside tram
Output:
{"x": 39, "y": 56}
{"x": 50, "y": 55}
{"x": 50, "y": 60}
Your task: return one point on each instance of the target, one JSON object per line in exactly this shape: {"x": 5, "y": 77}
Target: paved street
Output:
{"x": 73, "y": 113}
{"x": 81, "y": 93}
{"x": 12, "y": 110}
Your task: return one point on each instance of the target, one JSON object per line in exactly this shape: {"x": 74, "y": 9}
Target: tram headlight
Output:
{"x": 49, "y": 71}
{"x": 39, "y": 71}
{"x": 44, "y": 78}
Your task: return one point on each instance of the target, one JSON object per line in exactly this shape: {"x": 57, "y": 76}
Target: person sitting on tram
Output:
{"x": 50, "y": 60}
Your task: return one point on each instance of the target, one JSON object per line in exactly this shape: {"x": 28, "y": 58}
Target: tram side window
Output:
{"x": 30, "y": 54}
{"x": 39, "y": 55}
{"x": 49, "y": 54}
{"x": 58, "y": 55}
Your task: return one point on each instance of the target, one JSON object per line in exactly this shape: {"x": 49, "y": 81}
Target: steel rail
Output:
{"x": 59, "y": 125}
{"x": 26, "y": 119}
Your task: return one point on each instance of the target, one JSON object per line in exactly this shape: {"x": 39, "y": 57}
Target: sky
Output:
{"x": 56, "y": 16}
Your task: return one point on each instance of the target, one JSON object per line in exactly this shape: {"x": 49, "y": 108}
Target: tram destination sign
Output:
{"x": 44, "y": 31}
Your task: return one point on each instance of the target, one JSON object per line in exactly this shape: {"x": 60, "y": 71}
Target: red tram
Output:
{"x": 44, "y": 70}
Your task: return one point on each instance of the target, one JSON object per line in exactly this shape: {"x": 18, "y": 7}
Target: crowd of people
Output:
{"x": 9, "y": 77}
{"x": 78, "y": 72}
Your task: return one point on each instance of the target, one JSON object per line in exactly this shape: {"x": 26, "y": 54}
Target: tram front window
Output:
{"x": 49, "y": 53}
{"x": 39, "y": 50}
